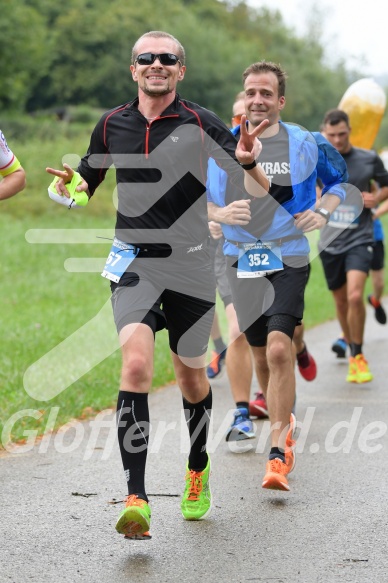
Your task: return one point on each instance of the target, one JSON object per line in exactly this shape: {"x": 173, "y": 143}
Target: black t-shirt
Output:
{"x": 275, "y": 161}
{"x": 363, "y": 167}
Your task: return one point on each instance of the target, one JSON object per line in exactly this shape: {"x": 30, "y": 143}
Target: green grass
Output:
{"x": 41, "y": 304}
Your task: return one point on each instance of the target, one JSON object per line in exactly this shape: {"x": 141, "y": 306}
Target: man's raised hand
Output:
{"x": 249, "y": 146}
{"x": 65, "y": 176}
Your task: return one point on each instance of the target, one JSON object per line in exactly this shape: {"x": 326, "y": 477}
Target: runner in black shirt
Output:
{"x": 347, "y": 257}
{"x": 160, "y": 145}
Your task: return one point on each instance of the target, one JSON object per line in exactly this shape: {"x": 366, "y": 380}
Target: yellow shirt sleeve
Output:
{"x": 8, "y": 161}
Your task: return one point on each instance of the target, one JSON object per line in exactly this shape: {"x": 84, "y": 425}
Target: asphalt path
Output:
{"x": 60, "y": 498}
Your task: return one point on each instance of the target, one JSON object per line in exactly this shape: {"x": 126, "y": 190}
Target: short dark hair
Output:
{"x": 160, "y": 34}
{"x": 268, "y": 67}
{"x": 335, "y": 116}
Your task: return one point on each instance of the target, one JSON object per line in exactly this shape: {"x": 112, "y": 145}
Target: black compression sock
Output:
{"x": 355, "y": 349}
{"x": 277, "y": 453}
{"x": 133, "y": 424}
{"x": 242, "y": 405}
{"x": 198, "y": 418}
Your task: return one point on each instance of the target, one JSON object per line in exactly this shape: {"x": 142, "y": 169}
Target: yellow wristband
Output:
{"x": 80, "y": 198}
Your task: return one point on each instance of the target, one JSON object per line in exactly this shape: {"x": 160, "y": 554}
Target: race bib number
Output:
{"x": 259, "y": 259}
{"x": 120, "y": 257}
{"x": 345, "y": 216}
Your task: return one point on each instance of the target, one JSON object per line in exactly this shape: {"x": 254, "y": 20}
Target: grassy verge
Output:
{"x": 41, "y": 305}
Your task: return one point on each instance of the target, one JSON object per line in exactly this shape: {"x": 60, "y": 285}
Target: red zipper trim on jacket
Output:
{"x": 148, "y": 127}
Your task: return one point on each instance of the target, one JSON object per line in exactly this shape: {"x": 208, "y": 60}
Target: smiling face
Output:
{"x": 262, "y": 99}
{"x": 156, "y": 79}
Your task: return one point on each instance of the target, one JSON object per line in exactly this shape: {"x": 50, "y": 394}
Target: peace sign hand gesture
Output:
{"x": 65, "y": 176}
{"x": 249, "y": 147}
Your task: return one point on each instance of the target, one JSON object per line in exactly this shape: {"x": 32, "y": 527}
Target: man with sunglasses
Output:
{"x": 160, "y": 145}
{"x": 267, "y": 251}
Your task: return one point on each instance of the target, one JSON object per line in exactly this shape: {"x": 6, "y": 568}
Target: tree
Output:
{"x": 55, "y": 55}
{"x": 25, "y": 52}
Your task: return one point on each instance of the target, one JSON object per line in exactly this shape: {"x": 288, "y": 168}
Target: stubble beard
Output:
{"x": 155, "y": 92}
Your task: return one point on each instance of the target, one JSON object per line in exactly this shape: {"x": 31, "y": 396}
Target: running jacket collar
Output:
{"x": 133, "y": 106}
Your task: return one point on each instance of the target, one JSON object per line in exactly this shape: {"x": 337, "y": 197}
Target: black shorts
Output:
{"x": 378, "y": 256}
{"x": 256, "y": 299}
{"x": 336, "y": 267}
{"x": 175, "y": 294}
{"x": 219, "y": 259}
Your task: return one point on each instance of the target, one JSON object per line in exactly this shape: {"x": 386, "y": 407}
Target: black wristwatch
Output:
{"x": 324, "y": 213}
{"x": 248, "y": 166}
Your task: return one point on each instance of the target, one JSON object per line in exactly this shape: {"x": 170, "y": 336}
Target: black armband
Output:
{"x": 248, "y": 166}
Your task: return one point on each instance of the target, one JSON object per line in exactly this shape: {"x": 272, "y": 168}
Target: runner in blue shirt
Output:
{"x": 267, "y": 251}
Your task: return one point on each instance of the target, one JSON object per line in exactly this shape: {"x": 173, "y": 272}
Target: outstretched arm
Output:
{"x": 12, "y": 183}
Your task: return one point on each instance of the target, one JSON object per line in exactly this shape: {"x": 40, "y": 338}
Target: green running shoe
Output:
{"x": 134, "y": 520}
{"x": 197, "y": 499}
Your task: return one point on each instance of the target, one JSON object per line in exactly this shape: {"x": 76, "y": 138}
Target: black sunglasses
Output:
{"x": 167, "y": 59}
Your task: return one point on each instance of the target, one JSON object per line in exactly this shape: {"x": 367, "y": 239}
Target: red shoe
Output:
{"x": 306, "y": 364}
{"x": 258, "y": 407}
{"x": 380, "y": 314}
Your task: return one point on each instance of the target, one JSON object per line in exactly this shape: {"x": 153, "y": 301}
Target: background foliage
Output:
{"x": 59, "y": 54}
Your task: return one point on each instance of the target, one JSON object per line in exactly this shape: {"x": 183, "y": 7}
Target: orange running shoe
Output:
{"x": 134, "y": 520}
{"x": 359, "y": 370}
{"x": 290, "y": 445}
{"x": 352, "y": 372}
{"x": 275, "y": 477}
